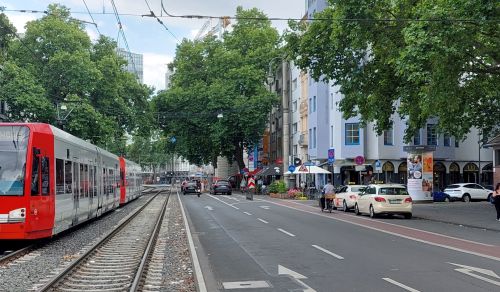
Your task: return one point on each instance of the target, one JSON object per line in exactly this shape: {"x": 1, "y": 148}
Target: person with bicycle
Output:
{"x": 328, "y": 192}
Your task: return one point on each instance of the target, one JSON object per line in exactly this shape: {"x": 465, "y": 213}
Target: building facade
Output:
{"x": 135, "y": 63}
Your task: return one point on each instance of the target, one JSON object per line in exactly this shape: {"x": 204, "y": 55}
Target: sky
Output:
{"x": 144, "y": 34}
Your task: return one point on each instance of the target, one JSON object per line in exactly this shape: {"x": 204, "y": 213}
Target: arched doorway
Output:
{"x": 454, "y": 173}
{"x": 471, "y": 173}
{"x": 487, "y": 175}
{"x": 388, "y": 171}
{"x": 403, "y": 173}
{"x": 439, "y": 176}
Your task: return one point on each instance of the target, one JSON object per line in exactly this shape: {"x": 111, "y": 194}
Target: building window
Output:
{"x": 294, "y": 84}
{"x": 314, "y": 104}
{"x": 294, "y": 128}
{"x": 416, "y": 138}
{"x": 456, "y": 142}
{"x": 310, "y": 105}
{"x": 310, "y": 139}
{"x": 447, "y": 140}
{"x": 389, "y": 137}
{"x": 314, "y": 137}
{"x": 295, "y": 150}
{"x": 431, "y": 134}
{"x": 331, "y": 136}
{"x": 352, "y": 134}
{"x": 294, "y": 106}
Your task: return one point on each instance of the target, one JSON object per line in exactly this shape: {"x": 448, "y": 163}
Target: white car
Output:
{"x": 384, "y": 199}
{"x": 467, "y": 192}
{"x": 347, "y": 196}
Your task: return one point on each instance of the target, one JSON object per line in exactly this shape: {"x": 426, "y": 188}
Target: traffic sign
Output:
{"x": 331, "y": 156}
{"x": 303, "y": 168}
{"x": 359, "y": 160}
{"x": 378, "y": 165}
{"x": 251, "y": 183}
{"x": 297, "y": 161}
{"x": 291, "y": 168}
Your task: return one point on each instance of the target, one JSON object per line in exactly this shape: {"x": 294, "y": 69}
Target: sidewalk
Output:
{"x": 475, "y": 214}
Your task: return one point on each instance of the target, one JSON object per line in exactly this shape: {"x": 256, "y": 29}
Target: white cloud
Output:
{"x": 155, "y": 67}
{"x": 92, "y": 33}
{"x": 20, "y": 20}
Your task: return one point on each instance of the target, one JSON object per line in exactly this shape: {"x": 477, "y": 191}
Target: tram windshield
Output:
{"x": 13, "y": 145}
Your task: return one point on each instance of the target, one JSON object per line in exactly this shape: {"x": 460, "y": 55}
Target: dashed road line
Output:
{"x": 286, "y": 232}
{"x": 262, "y": 220}
{"x": 400, "y": 285}
{"x": 234, "y": 207}
{"x": 328, "y": 252}
{"x": 249, "y": 214}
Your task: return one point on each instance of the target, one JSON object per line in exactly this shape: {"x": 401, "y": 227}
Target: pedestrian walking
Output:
{"x": 496, "y": 200}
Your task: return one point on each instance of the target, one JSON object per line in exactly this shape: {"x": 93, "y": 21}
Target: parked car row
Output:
{"x": 374, "y": 200}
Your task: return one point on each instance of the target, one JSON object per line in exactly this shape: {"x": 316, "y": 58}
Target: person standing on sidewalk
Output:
{"x": 496, "y": 200}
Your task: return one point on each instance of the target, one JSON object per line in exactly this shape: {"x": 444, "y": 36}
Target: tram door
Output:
{"x": 41, "y": 191}
{"x": 76, "y": 191}
{"x": 98, "y": 183}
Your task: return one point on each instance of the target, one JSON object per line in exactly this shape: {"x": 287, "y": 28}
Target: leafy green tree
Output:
{"x": 431, "y": 59}
{"x": 225, "y": 77}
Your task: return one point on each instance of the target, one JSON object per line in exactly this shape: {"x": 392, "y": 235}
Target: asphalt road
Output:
{"x": 285, "y": 246}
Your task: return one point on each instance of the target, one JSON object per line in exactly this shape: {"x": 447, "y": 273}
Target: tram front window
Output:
{"x": 13, "y": 145}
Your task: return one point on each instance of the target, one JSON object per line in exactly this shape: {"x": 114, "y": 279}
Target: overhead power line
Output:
{"x": 195, "y": 16}
{"x": 91, "y": 17}
{"x": 152, "y": 14}
{"x": 120, "y": 31}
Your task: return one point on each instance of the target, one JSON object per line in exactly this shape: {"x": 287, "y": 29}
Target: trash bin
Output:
{"x": 322, "y": 202}
{"x": 250, "y": 195}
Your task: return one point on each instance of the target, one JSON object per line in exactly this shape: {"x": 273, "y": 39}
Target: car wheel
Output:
{"x": 408, "y": 216}
{"x": 344, "y": 207}
{"x": 447, "y": 199}
{"x": 356, "y": 210}
{"x": 229, "y": 194}
{"x": 489, "y": 197}
{"x": 466, "y": 198}
{"x": 372, "y": 212}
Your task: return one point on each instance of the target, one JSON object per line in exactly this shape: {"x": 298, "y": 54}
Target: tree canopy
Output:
{"x": 56, "y": 64}
{"x": 418, "y": 59}
{"x": 226, "y": 77}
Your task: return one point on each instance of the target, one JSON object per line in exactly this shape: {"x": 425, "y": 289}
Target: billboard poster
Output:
{"x": 420, "y": 174}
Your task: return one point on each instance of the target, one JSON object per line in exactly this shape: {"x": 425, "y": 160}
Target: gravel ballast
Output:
{"x": 33, "y": 269}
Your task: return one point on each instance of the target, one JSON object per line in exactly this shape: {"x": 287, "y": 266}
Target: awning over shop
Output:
{"x": 306, "y": 169}
{"x": 270, "y": 170}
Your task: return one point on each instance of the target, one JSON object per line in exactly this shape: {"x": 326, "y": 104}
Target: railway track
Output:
{"x": 5, "y": 259}
{"x": 117, "y": 262}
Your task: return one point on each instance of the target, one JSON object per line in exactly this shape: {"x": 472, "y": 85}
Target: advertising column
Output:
{"x": 420, "y": 172}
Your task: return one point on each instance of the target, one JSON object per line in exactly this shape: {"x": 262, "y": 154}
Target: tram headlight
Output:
{"x": 17, "y": 215}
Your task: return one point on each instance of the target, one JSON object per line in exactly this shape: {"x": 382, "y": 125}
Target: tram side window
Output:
{"x": 104, "y": 181}
{"x": 82, "y": 181}
{"x": 45, "y": 176}
{"x": 59, "y": 176}
{"x": 91, "y": 181}
{"x": 111, "y": 182}
{"x": 86, "y": 180}
{"x": 35, "y": 175}
{"x": 68, "y": 177}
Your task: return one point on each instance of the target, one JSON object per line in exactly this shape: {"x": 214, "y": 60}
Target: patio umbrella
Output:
{"x": 308, "y": 169}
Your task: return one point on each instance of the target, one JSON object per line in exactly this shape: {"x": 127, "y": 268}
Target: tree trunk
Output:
{"x": 238, "y": 156}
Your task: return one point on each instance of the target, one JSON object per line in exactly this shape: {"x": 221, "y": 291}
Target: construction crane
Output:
{"x": 216, "y": 29}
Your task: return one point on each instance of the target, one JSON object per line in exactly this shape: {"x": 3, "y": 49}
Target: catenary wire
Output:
{"x": 91, "y": 17}
{"x": 152, "y": 14}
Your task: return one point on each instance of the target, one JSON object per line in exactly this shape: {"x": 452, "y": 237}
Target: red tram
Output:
{"x": 51, "y": 180}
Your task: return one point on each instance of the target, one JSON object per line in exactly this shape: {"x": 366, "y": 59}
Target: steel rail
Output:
{"x": 49, "y": 285}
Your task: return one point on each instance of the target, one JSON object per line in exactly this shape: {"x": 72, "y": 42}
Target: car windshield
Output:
{"x": 394, "y": 191}
{"x": 453, "y": 186}
{"x": 13, "y": 144}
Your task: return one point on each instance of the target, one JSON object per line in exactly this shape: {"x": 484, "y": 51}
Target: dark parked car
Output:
{"x": 441, "y": 197}
{"x": 222, "y": 187}
{"x": 192, "y": 188}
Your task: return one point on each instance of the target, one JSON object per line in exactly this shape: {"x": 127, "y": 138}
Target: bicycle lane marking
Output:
{"x": 457, "y": 244}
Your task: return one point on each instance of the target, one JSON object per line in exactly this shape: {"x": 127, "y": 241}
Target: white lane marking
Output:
{"x": 400, "y": 285}
{"x": 327, "y": 252}
{"x": 209, "y": 208}
{"x": 265, "y": 207}
{"x": 286, "y": 232}
{"x": 249, "y": 214}
{"x": 296, "y": 276}
{"x": 234, "y": 207}
{"x": 262, "y": 220}
{"x": 468, "y": 270}
{"x": 395, "y": 234}
{"x": 246, "y": 285}
{"x": 202, "y": 287}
